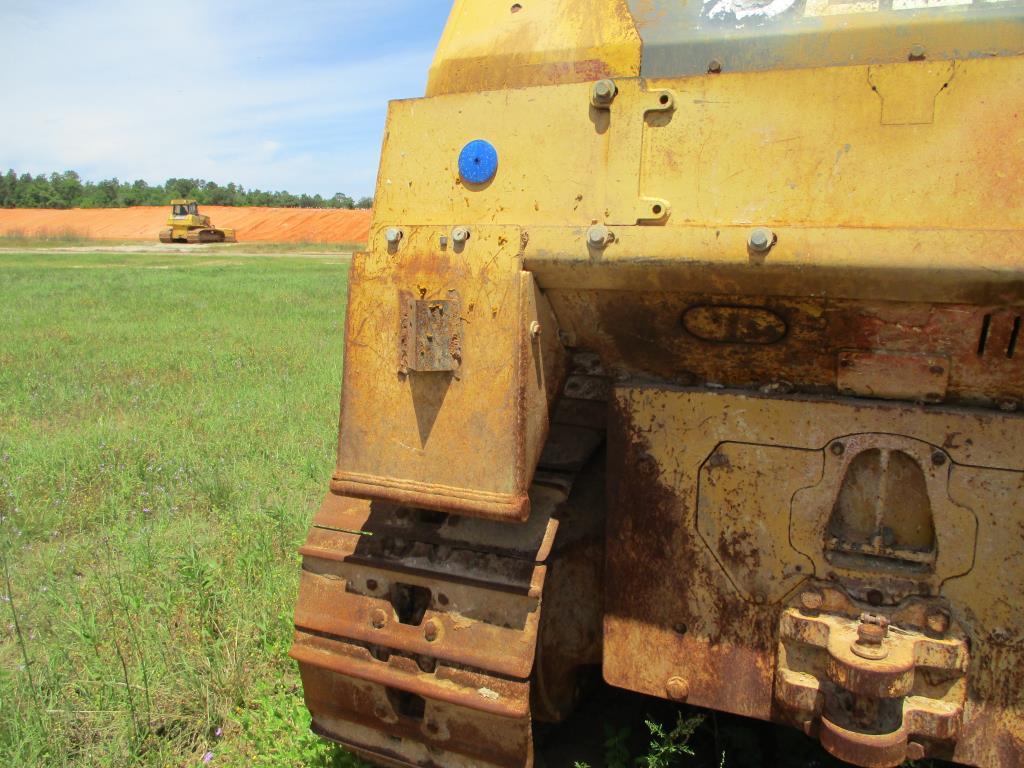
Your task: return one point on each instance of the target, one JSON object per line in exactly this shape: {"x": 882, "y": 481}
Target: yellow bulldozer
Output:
{"x": 687, "y": 347}
{"x": 187, "y": 225}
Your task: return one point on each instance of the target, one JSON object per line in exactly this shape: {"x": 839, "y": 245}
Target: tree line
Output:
{"x": 67, "y": 190}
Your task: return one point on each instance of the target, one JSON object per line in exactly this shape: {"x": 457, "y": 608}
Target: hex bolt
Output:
{"x": 812, "y": 600}
{"x": 598, "y": 236}
{"x": 393, "y": 235}
{"x": 431, "y": 630}
{"x": 714, "y": 66}
{"x": 938, "y": 622}
{"x": 534, "y": 329}
{"x": 761, "y": 240}
{"x": 677, "y": 689}
{"x": 872, "y": 630}
{"x": 378, "y": 618}
{"x": 916, "y": 52}
{"x": 460, "y": 234}
{"x": 603, "y": 93}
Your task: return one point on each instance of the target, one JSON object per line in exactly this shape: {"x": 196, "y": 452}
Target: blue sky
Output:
{"x": 276, "y": 95}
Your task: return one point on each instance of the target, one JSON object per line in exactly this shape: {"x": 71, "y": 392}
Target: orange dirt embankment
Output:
{"x": 252, "y": 225}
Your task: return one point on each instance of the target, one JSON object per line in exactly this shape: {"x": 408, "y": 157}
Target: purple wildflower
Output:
{"x": 208, "y": 757}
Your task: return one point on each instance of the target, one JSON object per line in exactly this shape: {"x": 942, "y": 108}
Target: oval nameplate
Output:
{"x": 734, "y": 325}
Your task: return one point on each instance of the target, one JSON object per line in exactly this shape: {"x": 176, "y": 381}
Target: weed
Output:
{"x": 666, "y": 746}
{"x": 663, "y": 751}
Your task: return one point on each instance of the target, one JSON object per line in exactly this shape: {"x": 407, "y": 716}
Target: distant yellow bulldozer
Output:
{"x": 187, "y": 225}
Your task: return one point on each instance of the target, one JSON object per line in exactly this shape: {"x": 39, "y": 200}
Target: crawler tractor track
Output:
{"x": 419, "y": 635}
{"x": 208, "y": 236}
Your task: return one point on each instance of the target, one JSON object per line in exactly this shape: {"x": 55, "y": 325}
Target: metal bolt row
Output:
{"x": 459, "y": 235}
{"x": 760, "y": 240}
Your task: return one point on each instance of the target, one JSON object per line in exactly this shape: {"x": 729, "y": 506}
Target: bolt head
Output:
{"x": 460, "y": 234}
{"x": 812, "y": 599}
{"x": 916, "y": 52}
{"x": 837, "y": 449}
{"x": 938, "y": 622}
{"x": 714, "y": 66}
{"x": 393, "y": 234}
{"x": 378, "y": 618}
{"x": 604, "y": 91}
{"x": 598, "y": 236}
{"x": 431, "y": 630}
{"x": 677, "y": 689}
{"x": 761, "y": 239}
{"x": 873, "y": 629}
{"x": 534, "y": 329}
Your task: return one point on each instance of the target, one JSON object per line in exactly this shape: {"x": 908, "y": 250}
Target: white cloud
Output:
{"x": 271, "y": 95}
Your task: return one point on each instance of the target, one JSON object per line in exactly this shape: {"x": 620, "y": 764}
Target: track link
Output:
{"x": 417, "y": 631}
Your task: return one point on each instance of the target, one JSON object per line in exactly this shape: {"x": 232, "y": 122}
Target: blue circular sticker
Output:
{"x": 478, "y": 162}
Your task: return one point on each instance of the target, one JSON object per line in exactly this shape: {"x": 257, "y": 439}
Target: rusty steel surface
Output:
{"x": 482, "y": 392}
{"x": 419, "y": 634}
{"x": 759, "y": 496}
{"x": 715, "y": 381}
{"x": 876, "y": 687}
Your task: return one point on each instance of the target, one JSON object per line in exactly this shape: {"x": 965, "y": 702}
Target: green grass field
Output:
{"x": 167, "y": 426}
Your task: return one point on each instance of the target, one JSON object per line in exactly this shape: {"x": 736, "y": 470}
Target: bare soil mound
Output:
{"x": 252, "y": 225}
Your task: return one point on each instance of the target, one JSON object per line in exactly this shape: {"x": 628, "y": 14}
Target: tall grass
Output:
{"x": 43, "y": 237}
{"x": 164, "y": 437}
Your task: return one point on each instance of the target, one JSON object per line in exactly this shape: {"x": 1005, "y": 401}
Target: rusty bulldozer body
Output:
{"x": 687, "y": 345}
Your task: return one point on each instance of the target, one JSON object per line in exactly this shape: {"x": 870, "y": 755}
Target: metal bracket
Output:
{"x": 624, "y": 201}
{"x": 908, "y": 91}
{"x": 431, "y": 334}
{"x": 874, "y": 696}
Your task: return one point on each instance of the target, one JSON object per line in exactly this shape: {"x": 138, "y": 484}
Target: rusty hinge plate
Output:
{"x": 431, "y": 334}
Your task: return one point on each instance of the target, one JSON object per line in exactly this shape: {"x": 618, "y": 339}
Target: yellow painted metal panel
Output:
{"x": 492, "y": 44}
{"x": 463, "y": 438}
{"x": 735, "y": 150}
{"x": 689, "y": 469}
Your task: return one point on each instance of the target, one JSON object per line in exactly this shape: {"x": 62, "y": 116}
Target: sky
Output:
{"x": 273, "y": 95}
